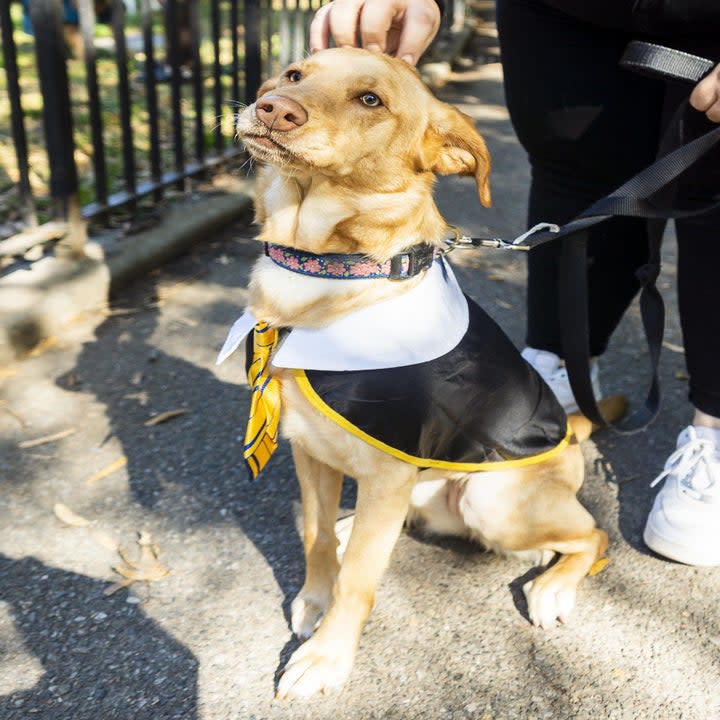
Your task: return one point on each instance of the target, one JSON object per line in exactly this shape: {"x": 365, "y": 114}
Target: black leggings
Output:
{"x": 587, "y": 126}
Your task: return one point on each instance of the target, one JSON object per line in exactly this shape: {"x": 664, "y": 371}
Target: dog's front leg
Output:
{"x": 320, "y": 488}
{"x": 325, "y": 660}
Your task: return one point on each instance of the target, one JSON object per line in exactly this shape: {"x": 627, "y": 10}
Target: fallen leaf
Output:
{"x": 142, "y": 397}
{"x": 109, "y": 469}
{"x": 503, "y": 304}
{"x": 681, "y": 375}
{"x": 598, "y": 566}
{"x": 46, "y": 439}
{"x": 165, "y": 416}
{"x": 672, "y": 346}
{"x": 147, "y": 568}
{"x": 66, "y": 515}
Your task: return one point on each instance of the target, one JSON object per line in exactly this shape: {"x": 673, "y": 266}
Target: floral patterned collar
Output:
{"x": 404, "y": 265}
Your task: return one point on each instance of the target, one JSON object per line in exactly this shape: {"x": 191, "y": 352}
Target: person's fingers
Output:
{"x": 320, "y": 29}
{"x": 403, "y": 28}
{"x": 376, "y": 19}
{"x": 705, "y": 97}
{"x": 344, "y": 21}
{"x": 420, "y": 25}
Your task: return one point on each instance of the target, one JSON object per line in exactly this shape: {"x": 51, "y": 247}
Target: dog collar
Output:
{"x": 419, "y": 325}
{"x": 341, "y": 266}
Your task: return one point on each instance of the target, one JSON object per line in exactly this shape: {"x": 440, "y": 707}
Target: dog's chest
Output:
{"x": 322, "y": 438}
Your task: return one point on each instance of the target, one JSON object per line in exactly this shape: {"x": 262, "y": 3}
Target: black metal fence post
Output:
{"x": 9, "y": 50}
{"x": 121, "y": 62}
{"x": 86, "y": 12}
{"x": 253, "y": 54}
{"x": 47, "y": 20}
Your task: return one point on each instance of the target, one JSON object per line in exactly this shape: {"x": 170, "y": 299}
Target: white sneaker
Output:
{"x": 554, "y": 373}
{"x": 684, "y": 523}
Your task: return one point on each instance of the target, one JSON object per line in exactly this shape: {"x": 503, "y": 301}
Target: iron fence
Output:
{"x": 108, "y": 102}
{"x": 124, "y": 99}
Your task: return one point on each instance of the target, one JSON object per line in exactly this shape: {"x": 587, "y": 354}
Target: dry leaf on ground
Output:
{"x": 146, "y": 569}
{"x": 165, "y": 416}
{"x": 598, "y": 566}
{"x": 109, "y": 469}
{"x": 46, "y": 439}
{"x": 66, "y": 515}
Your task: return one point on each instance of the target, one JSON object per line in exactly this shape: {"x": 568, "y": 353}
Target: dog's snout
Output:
{"x": 280, "y": 113}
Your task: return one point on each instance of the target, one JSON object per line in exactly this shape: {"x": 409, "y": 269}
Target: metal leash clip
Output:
{"x": 463, "y": 242}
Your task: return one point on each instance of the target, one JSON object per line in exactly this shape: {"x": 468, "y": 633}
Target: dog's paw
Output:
{"x": 315, "y": 667}
{"x": 549, "y": 600}
{"x": 306, "y": 612}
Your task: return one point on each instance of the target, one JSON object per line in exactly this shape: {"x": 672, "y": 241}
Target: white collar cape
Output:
{"x": 415, "y": 327}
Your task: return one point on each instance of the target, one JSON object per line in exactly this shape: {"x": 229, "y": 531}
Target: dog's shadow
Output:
{"x": 476, "y": 552}
{"x": 189, "y": 470}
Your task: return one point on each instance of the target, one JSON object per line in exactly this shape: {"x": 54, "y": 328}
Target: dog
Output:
{"x": 349, "y": 143}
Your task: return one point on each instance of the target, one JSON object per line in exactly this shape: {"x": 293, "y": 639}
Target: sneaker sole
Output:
{"x": 679, "y": 553}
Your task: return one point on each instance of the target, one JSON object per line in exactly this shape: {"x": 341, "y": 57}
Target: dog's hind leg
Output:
{"x": 320, "y": 488}
{"x": 325, "y": 660}
{"x": 535, "y": 509}
{"x": 551, "y": 596}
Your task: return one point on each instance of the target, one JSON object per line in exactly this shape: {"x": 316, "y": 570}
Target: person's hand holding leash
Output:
{"x": 404, "y": 28}
{"x": 706, "y": 95}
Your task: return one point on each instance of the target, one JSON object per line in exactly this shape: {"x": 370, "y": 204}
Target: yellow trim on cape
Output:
{"x": 319, "y": 404}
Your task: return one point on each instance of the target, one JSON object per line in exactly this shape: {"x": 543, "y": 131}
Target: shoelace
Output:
{"x": 684, "y": 461}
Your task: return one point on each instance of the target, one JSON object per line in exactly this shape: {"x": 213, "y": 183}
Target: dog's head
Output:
{"x": 363, "y": 118}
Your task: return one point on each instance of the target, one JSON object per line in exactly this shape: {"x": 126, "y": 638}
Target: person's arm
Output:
{"x": 404, "y": 28}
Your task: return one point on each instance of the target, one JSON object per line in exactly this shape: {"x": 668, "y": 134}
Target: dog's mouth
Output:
{"x": 265, "y": 148}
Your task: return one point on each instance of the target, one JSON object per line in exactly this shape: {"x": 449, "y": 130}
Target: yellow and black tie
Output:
{"x": 262, "y": 429}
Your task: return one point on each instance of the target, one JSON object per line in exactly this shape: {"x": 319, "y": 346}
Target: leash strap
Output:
{"x": 638, "y": 197}
{"x": 663, "y": 62}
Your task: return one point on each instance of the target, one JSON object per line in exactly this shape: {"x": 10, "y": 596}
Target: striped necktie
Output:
{"x": 262, "y": 428}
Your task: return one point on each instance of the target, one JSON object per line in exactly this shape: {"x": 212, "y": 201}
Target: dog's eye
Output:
{"x": 293, "y": 76}
{"x": 370, "y": 99}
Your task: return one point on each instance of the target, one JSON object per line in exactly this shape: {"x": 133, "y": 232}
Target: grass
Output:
{"x": 32, "y": 104}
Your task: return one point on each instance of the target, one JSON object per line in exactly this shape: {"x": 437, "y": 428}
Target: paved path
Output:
{"x": 449, "y": 637}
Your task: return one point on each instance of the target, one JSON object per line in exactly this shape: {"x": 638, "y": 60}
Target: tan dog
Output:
{"x": 351, "y": 142}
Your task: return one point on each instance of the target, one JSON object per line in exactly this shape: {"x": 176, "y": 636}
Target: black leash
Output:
{"x": 651, "y": 195}
{"x": 638, "y": 197}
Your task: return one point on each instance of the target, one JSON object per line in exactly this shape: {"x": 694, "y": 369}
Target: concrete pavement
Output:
{"x": 449, "y": 637}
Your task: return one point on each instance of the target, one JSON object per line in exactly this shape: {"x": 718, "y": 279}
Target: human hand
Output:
{"x": 706, "y": 95}
{"x": 403, "y": 28}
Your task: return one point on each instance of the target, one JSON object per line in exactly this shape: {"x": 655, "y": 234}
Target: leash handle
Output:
{"x": 636, "y": 197}
{"x": 665, "y": 63}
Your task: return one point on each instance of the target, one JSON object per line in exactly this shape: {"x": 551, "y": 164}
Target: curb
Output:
{"x": 53, "y": 291}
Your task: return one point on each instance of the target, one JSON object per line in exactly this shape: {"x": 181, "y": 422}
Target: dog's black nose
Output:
{"x": 280, "y": 113}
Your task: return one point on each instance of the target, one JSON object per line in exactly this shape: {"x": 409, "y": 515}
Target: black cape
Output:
{"x": 479, "y": 407}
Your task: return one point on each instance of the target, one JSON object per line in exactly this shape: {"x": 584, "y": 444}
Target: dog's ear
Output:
{"x": 453, "y": 145}
{"x": 267, "y": 86}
